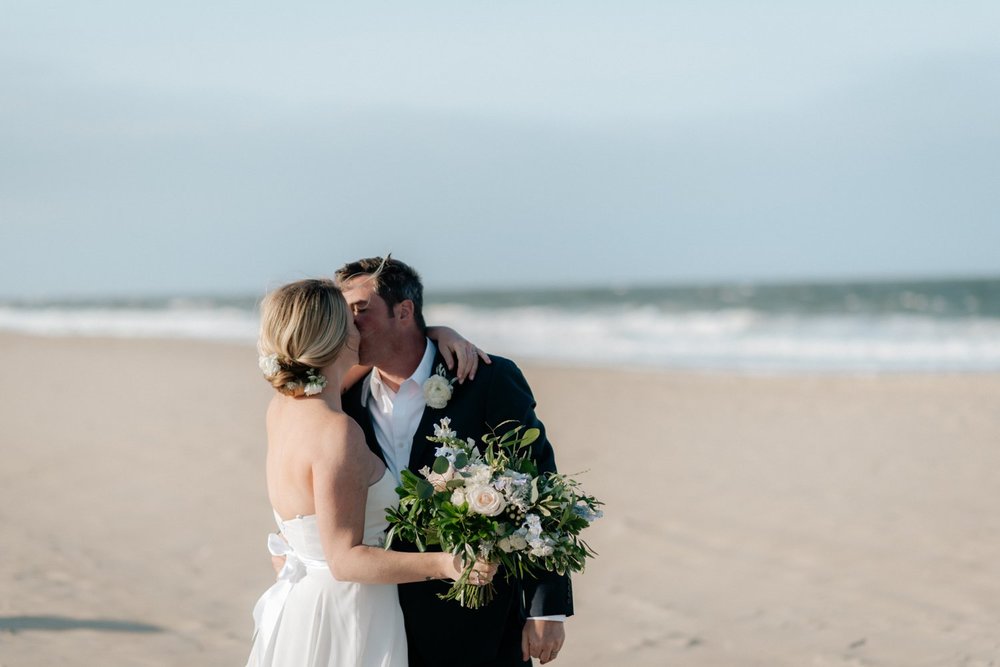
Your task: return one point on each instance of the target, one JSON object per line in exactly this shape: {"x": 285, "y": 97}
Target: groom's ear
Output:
{"x": 404, "y": 310}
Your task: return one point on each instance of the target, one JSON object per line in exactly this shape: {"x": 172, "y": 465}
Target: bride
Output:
{"x": 335, "y": 600}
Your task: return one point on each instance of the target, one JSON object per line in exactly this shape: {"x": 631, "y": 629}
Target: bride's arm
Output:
{"x": 353, "y": 374}
{"x": 454, "y": 347}
{"x": 340, "y": 490}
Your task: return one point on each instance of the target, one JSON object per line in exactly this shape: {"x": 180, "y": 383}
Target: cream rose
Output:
{"x": 437, "y": 391}
{"x": 485, "y": 500}
{"x": 457, "y": 497}
{"x": 440, "y": 480}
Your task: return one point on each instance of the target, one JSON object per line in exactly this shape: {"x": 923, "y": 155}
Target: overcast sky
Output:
{"x": 206, "y": 147}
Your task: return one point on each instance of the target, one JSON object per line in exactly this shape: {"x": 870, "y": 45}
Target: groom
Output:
{"x": 525, "y": 619}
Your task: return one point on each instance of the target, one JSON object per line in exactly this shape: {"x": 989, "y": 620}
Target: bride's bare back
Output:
{"x": 306, "y": 436}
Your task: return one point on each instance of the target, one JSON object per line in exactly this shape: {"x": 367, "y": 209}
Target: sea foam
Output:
{"x": 630, "y": 336}
{"x": 935, "y": 326}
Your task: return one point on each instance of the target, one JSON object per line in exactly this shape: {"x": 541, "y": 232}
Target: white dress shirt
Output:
{"x": 396, "y": 416}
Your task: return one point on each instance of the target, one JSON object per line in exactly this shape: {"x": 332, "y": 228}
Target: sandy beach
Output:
{"x": 750, "y": 521}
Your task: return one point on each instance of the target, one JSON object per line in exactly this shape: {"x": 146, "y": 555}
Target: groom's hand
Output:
{"x": 542, "y": 639}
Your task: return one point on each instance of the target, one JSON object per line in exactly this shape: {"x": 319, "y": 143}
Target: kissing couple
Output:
{"x": 338, "y": 438}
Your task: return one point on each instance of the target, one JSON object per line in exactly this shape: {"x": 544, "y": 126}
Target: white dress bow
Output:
{"x": 267, "y": 611}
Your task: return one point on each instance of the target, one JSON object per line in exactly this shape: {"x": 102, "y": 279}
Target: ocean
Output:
{"x": 889, "y": 326}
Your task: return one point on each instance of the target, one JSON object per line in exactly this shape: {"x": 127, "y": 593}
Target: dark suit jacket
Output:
{"x": 444, "y": 633}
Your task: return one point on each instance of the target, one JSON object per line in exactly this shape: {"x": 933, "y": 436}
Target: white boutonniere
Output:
{"x": 438, "y": 388}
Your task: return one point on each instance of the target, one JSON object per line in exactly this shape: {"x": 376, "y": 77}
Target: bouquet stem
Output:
{"x": 469, "y": 596}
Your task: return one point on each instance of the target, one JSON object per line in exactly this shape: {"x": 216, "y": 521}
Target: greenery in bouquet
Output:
{"x": 494, "y": 505}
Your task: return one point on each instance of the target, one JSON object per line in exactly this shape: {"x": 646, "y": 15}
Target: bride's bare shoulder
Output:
{"x": 342, "y": 433}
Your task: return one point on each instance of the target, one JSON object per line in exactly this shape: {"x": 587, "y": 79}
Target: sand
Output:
{"x": 772, "y": 521}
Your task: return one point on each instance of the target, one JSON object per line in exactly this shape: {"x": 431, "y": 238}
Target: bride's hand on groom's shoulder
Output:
{"x": 457, "y": 350}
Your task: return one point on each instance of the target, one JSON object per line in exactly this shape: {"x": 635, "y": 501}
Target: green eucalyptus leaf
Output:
{"x": 424, "y": 490}
{"x": 440, "y": 465}
{"x": 530, "y": 436}
{"x": 510, "y": 435}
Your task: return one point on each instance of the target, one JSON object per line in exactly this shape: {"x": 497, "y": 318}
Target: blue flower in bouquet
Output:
{"x": 584, "y": 511}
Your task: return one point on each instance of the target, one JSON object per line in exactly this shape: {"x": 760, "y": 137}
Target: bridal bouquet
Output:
{"x": 494, "y": 505}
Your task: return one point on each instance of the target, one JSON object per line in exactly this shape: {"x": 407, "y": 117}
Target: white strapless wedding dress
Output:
{"x": 309, "y": 619}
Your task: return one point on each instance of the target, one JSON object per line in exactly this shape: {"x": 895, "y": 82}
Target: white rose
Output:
{"x": 486, "y": 500}
{"x": 505, "y": 545}
{"x": 457, "y": 497}
{"x": 437, "y": 391}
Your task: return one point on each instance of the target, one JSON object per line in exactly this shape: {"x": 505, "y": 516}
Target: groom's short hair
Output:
{"x": 395, "y": 282}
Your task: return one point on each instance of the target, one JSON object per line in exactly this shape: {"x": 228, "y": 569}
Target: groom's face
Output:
{"x": 376, "y": 324}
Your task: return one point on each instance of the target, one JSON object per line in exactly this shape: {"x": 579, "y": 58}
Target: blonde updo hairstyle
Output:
{"x": 305, "y": 324}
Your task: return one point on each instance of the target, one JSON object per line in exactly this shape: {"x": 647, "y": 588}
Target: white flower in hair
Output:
{"x": 269, "y": 365}
{"x": 316, "y": 384}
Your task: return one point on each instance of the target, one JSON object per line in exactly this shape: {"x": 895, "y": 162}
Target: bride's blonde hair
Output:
{"x": 305, "y": 324}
